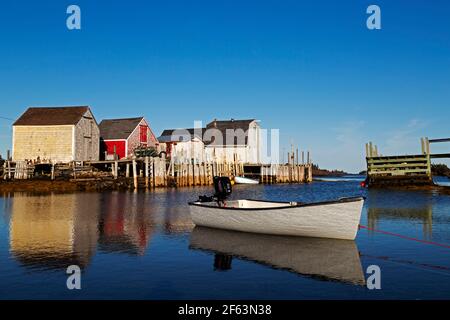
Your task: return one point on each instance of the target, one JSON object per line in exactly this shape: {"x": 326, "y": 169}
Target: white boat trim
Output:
{"x": 282, "y": 204}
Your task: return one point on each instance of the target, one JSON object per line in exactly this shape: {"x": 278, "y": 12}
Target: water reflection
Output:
{"x": 424, "y": 215}
{"x": 53, "y": 231}
{"x": 222, "y": 262}
{"x": 124, "y": 227}
{"x": 57, "y": 230}
{"x": 327, "y": 259}
{"x": 384, "y": 206}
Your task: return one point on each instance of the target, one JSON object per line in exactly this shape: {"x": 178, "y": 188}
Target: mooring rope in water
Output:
{"x": 406, "y": 237}
{"x": 426, "y": 267}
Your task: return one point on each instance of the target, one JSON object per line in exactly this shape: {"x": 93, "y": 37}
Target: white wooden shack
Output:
{"x": 233, "y": 141}
{"x": 183, "y": 145}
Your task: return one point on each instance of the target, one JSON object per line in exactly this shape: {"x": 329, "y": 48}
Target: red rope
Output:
{"x": 406, "y": 237}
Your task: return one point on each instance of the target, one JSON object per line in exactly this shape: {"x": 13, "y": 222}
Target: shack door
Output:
{"x": 143, "y": 135}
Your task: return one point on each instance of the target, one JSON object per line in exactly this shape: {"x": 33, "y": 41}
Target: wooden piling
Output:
{"x": 74, "y": 170}
{"x": 116, "y": 170}
{"x": 135, "y": 177}
{"x": 146, "y": 172}
{"x": 9, "y": 170}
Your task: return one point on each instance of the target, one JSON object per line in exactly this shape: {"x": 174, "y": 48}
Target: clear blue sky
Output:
{"x": 310, "y": 68}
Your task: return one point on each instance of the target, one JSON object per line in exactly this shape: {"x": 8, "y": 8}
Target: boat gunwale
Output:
{"x": 288, "y": 204}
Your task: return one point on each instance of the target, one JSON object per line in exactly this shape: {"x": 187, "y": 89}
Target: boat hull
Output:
{"x": 336, "y": 220}
{"x": 242, "y": 180}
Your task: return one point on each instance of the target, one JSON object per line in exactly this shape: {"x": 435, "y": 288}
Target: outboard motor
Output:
{"x": 222, "y": 188}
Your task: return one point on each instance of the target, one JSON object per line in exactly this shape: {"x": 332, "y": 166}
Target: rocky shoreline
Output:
{"x": 444, "y": 190}
{"x": 126, "y": 184}
{"x": 81, "y": 185}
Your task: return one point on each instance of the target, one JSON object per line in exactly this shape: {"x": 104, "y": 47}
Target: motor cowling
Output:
{"x": 222, "y": 187}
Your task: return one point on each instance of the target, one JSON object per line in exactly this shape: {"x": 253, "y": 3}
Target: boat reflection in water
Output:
{"x": 328, "y": 259}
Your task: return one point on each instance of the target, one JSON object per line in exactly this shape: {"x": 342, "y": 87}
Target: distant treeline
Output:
{"x": 440, "y": 170}
{"x": 324, "y": 172}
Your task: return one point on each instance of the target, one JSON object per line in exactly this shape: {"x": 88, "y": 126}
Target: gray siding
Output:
{"x": 87, "y": 139}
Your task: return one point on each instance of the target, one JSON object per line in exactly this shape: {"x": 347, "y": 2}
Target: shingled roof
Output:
{"x": 224, "y": 125}
{"x": 221, "y": 125}
{"x": 118, "y": 129}
{"x": 54, "y": 116}
{"x": 168, "y": 134}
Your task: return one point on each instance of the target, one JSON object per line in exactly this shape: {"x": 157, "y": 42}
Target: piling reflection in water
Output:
{"x": 175, "y": 219}
{"x": 328, "y": 259}
{"x": 384, "y": 205}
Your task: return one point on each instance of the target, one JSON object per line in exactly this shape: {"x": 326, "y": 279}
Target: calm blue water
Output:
{"x": 141, "y": 246}
{"x": 341, "y": 178}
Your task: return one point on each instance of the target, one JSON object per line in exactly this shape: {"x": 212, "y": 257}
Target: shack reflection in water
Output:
{"x": 328, "y": 259}
{"x": 124, "y": 226}
{"x": 58, "y": 230}
{"x": 54, "y": 231}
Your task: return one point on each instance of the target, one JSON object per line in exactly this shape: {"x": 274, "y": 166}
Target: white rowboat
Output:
{"x": 332, "y": 219}
{"x": 243, "y": 180}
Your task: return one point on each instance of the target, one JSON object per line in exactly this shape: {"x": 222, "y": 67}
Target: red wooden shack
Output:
{"x": 124, "y": 136}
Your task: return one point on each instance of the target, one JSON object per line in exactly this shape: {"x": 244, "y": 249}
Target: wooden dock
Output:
{"x": 402, "y": 170}
{"x": 153, "y": 172}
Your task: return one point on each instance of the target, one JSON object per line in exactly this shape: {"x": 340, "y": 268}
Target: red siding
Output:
{"x": 120, "y": 148}
{"x": 142, "y": 136}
